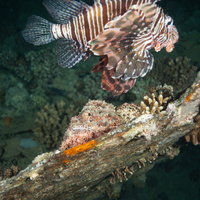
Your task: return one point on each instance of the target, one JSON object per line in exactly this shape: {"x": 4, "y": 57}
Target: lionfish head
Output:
{"x": 168, "y": 37}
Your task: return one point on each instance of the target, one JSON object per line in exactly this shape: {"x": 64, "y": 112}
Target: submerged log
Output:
{"x": 92, "y": 170}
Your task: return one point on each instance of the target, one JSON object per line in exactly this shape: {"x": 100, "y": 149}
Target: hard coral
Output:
{"x": 8, "y": 173}
{"x": 96, "y": 118}
{"x": 51, "y": 123}
{"x": 43, "y": 65}
{"x": 17, "y": 65}
{"x": 153, "y": 103}
{"x": 177, "y": 72}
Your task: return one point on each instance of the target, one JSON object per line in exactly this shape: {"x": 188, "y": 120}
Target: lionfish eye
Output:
{"x": 168, "y": 23}
{"x": 89, "y": 114}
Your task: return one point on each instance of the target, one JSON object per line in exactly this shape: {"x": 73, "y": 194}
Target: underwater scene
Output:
{"x": 75, "y": 123}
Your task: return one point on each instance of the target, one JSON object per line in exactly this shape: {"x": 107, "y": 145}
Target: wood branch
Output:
{"x": 127, "y": 149}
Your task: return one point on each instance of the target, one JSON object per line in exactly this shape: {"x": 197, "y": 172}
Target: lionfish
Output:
{"x": 121, "y": 32}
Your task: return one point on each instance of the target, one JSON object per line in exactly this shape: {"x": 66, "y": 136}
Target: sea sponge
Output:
{"x": 194, "y": 135}
{"x": 127, "y": 112}
{"x": 50, "y": 124}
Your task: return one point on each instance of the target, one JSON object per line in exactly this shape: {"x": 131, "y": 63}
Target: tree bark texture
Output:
{"x": 94, "y": 172}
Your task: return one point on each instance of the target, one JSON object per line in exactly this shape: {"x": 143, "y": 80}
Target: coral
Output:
{"x": 67, "y": 83}
{"x": 157, "y": 100}
{"x": 8, "y": 173}
{"x": 8, "y": 120}
{"x": 8, "y": 59}
{"x": 92, "y": 87}
{"x": 39, "y": 101}
{"x": 96, "y": 118}
{"x": 16, "y": 64}
{"x": 142, "y": 87}
{"x": 153, "y": 104}
{"x": 120, "y": 174}
{"x": 127, "y": 112}
{"x": 17, "y": 97}
{"x": 2, "y": 94}
{"x": 177, "y": 72}
{"x": 194, "y": 135}
{"x": 43, "y": 65}
{"x": 74, "y": 108}
{"x": 51, "y": 124}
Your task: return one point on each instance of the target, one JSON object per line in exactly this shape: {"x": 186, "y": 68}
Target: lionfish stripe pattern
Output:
{"x": 120, "y": 31}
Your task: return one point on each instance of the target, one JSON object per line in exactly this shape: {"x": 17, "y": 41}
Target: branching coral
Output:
{"x": 153, "y": 103}
{"x": 141, "y": 87}
{"x": 51, "y": 124}
{"x": 8, "y": 173}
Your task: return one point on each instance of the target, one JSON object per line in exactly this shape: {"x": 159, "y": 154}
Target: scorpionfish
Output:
{"x": 121, "y": 32}
{"x": 97, "y": 118}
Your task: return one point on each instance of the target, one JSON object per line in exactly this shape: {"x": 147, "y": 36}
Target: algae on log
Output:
{"x": 129, "y": 148}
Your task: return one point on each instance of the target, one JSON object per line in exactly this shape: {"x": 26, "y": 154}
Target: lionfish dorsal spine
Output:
{"x": 76, "y": 20}
{"x": 91, "y": 20}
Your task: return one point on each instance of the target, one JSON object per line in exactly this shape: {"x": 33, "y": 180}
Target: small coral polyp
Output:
{"x": 96, "y": 118}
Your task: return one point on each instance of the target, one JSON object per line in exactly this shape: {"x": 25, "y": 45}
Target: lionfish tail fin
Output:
{"x": 37, "y": 31}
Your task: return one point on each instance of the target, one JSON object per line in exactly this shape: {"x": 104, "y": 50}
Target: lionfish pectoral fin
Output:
{"x": 116, "y": 86}
{"x": 133, "y": 66}
{"x": 68, "y": 52}
{"x": 63, "y": 10}
{"x": 123, "y": 77}
{"x": 121, "y": 41}
{"x": 99, "y": 67}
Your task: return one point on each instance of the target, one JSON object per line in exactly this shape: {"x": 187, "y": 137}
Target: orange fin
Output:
{"x": 116, "y": 86}
{"x": 101, "y": 65}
